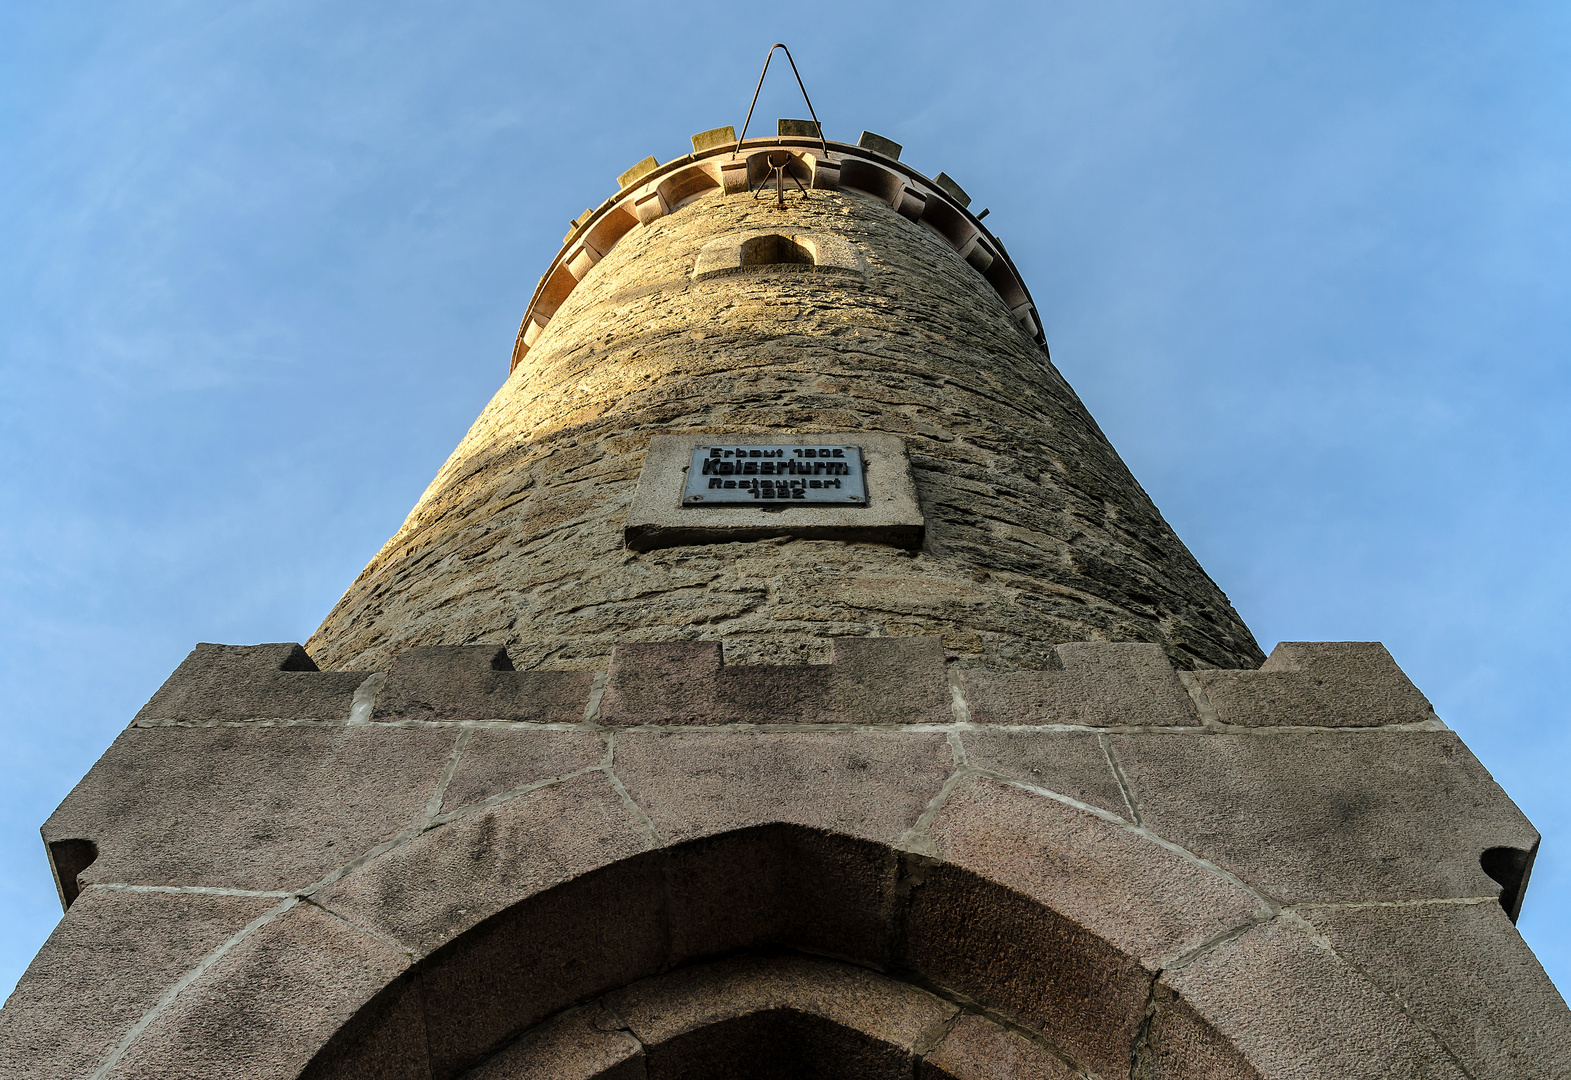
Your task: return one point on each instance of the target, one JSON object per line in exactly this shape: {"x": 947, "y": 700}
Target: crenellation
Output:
{"x": 477, "y": 682}
{"x": 658, "y": 190}
{"x": 1319, "y": 684}
{"x": 245, "y": 682}
{"x": 1095, "y": 684}
{"x": 870, "y": 681}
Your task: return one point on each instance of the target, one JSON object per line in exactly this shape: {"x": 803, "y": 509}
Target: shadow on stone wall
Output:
{"x": 943, "y": 934}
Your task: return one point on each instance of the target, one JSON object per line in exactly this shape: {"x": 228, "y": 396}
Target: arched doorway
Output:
{"x": 789, "y": 947}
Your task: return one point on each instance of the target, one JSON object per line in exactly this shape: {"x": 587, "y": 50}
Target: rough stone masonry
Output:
{"x": 1036, "y": 532}
{"x": 982, "y": 777}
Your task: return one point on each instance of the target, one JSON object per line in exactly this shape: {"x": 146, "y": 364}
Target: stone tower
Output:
{"x": 785, "y": 678}
{"x": 873, "y": 304}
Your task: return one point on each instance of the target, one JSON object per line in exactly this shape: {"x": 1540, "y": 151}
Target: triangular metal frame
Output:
{"x": 816, "y": 125}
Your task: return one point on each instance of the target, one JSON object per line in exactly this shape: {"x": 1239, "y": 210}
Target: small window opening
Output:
{"x": 773, "y": 249}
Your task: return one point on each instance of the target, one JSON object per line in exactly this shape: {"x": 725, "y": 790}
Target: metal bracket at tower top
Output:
{"x": 778, "y": 171}
{"x": 816, "y": 125}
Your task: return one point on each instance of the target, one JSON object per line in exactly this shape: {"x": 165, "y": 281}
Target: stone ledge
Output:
{"x": 872, "y": 681}
{"x": 789, "y": 840}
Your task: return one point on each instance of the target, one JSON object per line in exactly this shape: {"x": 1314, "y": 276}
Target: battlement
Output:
{"x": 409, "y": 872}
{"x": 649, "y": 191}
{"x": 869, "y": 681}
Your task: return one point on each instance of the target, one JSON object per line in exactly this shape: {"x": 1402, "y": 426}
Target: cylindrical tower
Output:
{"x": 871, "y": 302}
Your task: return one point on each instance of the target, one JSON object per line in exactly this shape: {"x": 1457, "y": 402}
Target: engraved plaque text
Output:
{"x": 777, "y": 475}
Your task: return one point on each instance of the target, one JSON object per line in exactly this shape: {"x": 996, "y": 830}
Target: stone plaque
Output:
{"x": 875, "y": 500}
{"x": 795, "y": 474}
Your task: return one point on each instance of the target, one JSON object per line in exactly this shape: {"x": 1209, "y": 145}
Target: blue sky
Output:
{"x": 261, "y": 264}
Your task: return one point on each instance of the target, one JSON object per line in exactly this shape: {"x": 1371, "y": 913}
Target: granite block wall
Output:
{"x": 880, "y": 864}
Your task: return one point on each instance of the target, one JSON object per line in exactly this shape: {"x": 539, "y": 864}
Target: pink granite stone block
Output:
{"x": 1328, "y": 816}
{"x": 477, "y": 682}
{"x": 1318, "y": 684}
{"x": 1070, "y": 763}
{"x": 248, "y": 806}
{"x": 1027, "y": 876}
{"x": 1297, "y": 1010}
{"x": 1464, "y": 972}
{"x": 586, "y": 1043}
{"x": 782, "y": 885}
{"x": 778, "y": 1017}
{"x": 252, "y": 682}
{"x": 276, "y": 997}
{"x": 496, "y": 760}
{"x": 871, "y": 681}
{"x": 978, "y": 1049}
{"x": 1098, "y": 684}
{"x": 105, "y": 965}
{"x": 869, "y": 784}
{"x": 429, "y": 890}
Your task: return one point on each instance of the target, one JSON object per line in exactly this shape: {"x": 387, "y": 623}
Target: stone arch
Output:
{"x": 765, "y": 1017}
{"x": 798, "y": 165}
{"x": 779, "y": 897}
{"x": 770, "y": 248}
